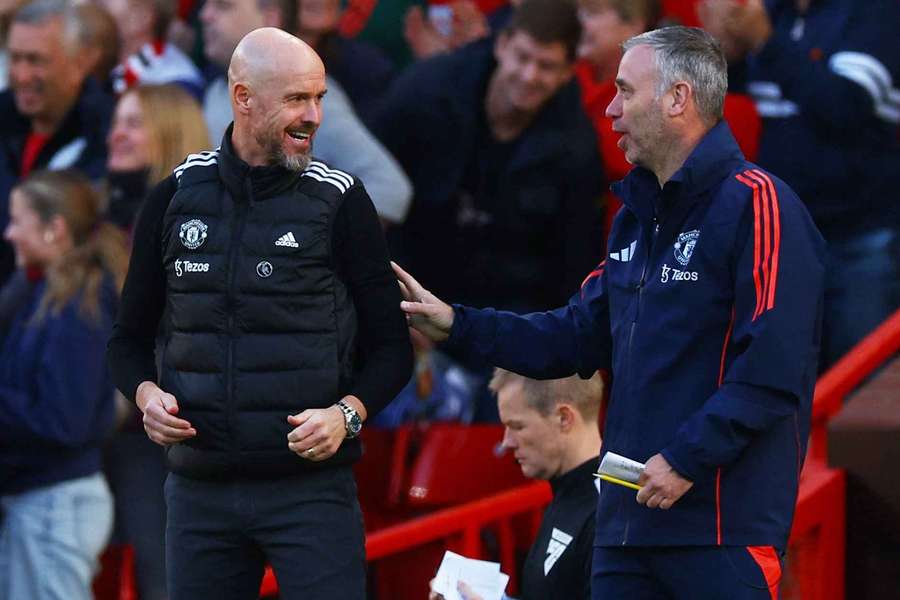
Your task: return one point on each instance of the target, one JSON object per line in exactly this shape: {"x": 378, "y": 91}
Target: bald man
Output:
{"x": 283, "y": 337}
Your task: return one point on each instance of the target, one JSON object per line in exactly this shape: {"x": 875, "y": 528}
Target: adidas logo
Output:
{"x": 625, "y": 254}
{"x": 287, "y": 240}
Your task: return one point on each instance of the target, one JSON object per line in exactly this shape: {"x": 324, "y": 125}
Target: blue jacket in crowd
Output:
{"x": 56, "y": 398}
{"x": 826, "y": 86}
{"x": 707, "y": 311}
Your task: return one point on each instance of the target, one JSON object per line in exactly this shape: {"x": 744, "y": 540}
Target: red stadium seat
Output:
{"x": 459, "y": 463}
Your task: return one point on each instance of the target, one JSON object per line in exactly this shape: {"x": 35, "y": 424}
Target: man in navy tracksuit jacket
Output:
{"x": 707, "y": 312}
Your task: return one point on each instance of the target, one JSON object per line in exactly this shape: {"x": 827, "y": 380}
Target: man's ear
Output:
{"x": 241, "y": 97}
{"x": 679, "y": 97}
{"x": 567, "y": 417}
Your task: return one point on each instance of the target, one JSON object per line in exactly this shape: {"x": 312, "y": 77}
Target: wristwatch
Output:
{"x": 352, "y": 422}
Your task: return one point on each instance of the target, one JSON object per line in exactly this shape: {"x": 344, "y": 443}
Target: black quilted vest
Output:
{"x": 260, "y": 326}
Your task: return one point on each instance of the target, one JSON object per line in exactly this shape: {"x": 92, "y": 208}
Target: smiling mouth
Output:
{"x": 300, "y": 135}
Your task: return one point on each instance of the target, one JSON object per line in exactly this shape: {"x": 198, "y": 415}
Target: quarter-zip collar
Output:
{"x": 240, "y": 178}
{"x": 711, "y": 161}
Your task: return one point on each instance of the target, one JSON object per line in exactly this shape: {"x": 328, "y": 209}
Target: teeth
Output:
{"x": 298, "y": 135}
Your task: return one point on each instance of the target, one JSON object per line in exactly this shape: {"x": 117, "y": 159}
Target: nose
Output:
{"x": 508, "y": 442}
{"x": 312, "y": 113}
{"x": 614, "y": 110}
{"x": 8, "y": 233}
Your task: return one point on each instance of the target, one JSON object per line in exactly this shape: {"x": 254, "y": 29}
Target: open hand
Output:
{"x": 425, "y": 312}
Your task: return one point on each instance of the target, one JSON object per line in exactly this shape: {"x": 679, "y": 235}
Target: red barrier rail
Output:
{"x": 846, "y": 374}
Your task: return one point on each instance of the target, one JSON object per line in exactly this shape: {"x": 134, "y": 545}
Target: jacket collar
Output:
{"x": 576, "y": 478}
{"x": 248, "y": 183}
{"x": 712, "y": 159}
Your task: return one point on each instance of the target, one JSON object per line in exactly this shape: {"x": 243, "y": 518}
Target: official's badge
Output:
{"x": 685, "y": 245}
{"x": 193, "y": 234}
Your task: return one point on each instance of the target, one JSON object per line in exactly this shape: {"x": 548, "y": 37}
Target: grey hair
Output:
{"x": 40, "y": 11}
{"x": 688, "y": 54}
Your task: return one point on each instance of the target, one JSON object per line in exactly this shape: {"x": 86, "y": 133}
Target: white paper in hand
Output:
{"x": 482, "y": 576}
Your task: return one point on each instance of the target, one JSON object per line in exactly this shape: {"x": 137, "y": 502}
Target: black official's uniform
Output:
{"x": 558, "y": 566}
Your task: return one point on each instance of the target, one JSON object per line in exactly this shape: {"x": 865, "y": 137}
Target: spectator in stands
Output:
{"x": 283, "y": 256}
{"x": 154, "y": 128}
{"x": 56, "y": 399}
{"x": 380, "y": 22}
{"x": 551, "y": 427}
{"x": 504, "y": 165}
{"x": 54, "y": 116}
{"x": 101, "y": 42}
{"x": 444, "y": 27}
{"x": 505, "y": 169}
{"x": 146, "y": 57}
{"x": 363, "y": 70}
{"x": 824, "y": 75}
{"x": 342, "y": 140}
{"x": 707, "y": 315}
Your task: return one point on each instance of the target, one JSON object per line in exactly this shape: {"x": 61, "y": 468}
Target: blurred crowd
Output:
{"x": 480, "y": 131}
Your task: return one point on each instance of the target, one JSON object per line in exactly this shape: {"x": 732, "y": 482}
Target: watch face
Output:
{"x": 351, "y": 420}
{"x": 354, "y": 424}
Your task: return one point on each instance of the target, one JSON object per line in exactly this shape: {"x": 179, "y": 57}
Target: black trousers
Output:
{"x": 220, "y": 535}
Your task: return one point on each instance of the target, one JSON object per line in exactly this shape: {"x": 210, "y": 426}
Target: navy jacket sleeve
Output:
{"x": 544, "y": 345}
{"x": 70, "y": 391}
{"x": 854, "y": 84}
{"x": 770, "y": 363}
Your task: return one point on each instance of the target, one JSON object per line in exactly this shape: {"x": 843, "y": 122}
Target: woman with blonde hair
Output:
{"x": 56, "y": 399}
{"x": 153, "y": 129}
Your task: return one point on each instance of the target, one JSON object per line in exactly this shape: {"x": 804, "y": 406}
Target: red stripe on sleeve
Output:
{"x": 757, "y": 251}
{"x": 776, "y": 246}
{"x": 767, "y": 238}
{"x": 595, "y": 273}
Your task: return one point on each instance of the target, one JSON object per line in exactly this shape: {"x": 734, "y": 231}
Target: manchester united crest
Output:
{"x": 685, "y": 245}
{"x": 193, "y": 234}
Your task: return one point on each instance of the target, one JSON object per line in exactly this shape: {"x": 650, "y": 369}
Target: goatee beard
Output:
{"x": 296, "y": 163}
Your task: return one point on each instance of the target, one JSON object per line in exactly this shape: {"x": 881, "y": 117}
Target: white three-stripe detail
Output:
{"x": 320, "y": 172}
{"x": 201, "y": 159}
{"x": 866, "y": 71}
